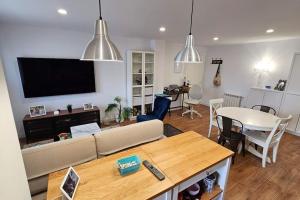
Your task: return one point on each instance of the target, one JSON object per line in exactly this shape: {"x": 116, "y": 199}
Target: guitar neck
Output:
{"x": 218, "y": 71}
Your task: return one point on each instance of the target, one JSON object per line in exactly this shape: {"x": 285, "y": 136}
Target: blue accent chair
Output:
{"x": 161, "y": 107}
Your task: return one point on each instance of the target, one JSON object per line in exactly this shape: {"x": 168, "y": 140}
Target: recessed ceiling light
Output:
{"x": 215, "y": 38}
{"x": 62, "y": 11}
{"x": 162, "y": 29}
{"x": 270, "y": 30}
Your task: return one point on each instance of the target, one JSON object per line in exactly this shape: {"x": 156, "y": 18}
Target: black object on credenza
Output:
{"x": 50, "y": 125}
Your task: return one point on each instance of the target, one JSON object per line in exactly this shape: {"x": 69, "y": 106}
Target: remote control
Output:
{"x": 153, "y": 170}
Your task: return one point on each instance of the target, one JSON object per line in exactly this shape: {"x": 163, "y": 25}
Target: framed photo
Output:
{"x": 88, "y": 106}
{"x": 281, "y": 85}
{"x": 36, "y": 111}
{"x": 69, "y": 184}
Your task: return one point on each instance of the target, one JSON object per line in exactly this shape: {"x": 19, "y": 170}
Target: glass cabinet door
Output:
{"x": 149, "y": 68}
{"x": 137, "y": 68}
{"x": 148, "y": 99}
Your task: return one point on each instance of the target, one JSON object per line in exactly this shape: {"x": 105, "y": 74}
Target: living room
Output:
{"x": 248, "y": 55}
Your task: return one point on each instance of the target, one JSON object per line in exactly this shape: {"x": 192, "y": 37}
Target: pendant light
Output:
{"x": 101, "y": 48}
{"x": 189, "y": 54}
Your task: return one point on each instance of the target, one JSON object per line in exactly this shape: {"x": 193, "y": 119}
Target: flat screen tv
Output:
{"x": 51, "y": 76}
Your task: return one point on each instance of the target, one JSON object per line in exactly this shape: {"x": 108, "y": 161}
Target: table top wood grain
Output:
{"x": 185, "y": 155}
{"x": 179, "y": 158}
{"x": 100, "y": 179}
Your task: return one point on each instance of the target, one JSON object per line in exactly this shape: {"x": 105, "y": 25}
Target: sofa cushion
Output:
{"x": 117, "y": 139}
{"x": 41, "y": 160}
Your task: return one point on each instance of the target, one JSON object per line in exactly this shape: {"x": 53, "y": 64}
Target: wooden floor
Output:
{"x": 248, "y": 180}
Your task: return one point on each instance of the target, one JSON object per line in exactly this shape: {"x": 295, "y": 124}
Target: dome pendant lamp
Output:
{"x": 189, "y": 54}
{"x": 101, "y": 48}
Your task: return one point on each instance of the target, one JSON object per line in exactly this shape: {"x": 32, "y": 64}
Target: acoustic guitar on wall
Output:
{"x": 217, "y": 78}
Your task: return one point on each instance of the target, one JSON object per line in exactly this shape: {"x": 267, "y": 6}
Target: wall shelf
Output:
{"x": 209, "y": 196}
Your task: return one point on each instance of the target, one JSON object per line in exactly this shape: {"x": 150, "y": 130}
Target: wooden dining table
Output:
{"x": 251, "y": 119}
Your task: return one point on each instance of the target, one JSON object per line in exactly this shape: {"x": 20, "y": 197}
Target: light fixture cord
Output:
{"x": 100, "y": 17}
{"x": 192, "y": 17}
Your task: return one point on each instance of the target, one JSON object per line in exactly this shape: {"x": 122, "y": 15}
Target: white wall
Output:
{"x": 165, "y": 74}
{"x": 16, "y": 41}
{"x": 194, "y": 72}
{"x": 238, "y": 74}
{"x": 14, "y": 183}
{"x": 159, "y": 46}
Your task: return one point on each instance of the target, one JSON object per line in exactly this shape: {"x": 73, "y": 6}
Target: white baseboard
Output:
{"x": 293, "y": 132}
{"x": 204, "y": 103}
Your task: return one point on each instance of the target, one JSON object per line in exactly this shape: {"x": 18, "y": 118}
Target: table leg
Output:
{"x": 182, "y": 100}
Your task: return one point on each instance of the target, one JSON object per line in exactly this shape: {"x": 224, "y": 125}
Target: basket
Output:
{"x": 209, "y": 182}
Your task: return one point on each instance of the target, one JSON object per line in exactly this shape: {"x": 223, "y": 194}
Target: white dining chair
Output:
{"x": 195, "y": 96}
{"x": 214, "y": 104}
{"x": 267, "y": 140}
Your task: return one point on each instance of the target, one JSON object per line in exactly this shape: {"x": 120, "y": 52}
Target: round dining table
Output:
{"x": 251, "y": 119}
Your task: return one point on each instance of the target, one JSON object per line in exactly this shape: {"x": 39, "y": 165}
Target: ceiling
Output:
{"x": 233, "y": 21}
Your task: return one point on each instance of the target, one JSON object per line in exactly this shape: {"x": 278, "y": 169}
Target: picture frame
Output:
{"x": 70, "y": 183}
{"x": 88, "y": 106}
{"x": 281, "y": 85}
{"x": 36, "y": 111}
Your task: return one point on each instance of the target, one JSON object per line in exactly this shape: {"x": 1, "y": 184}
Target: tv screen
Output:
{"x": 48, "y": 76}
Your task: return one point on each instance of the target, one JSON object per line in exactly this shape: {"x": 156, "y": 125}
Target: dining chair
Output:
{"x": 214, "y": 104}
{"x": 266, "y": 109}
{"x": 231, "y": 133}
{"x": 195, "y": 96}
{"x": 267, "y": 140}
{"x": 263, "y": 108}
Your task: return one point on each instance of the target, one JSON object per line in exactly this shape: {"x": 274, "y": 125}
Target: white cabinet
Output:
{"x": 221, "y": 168}
{"x": 267, "y": 97}
{"x": 294, "y": 79}
{"x": 140, "y": 81}
{"x": 273, "y": 99}
{"x": 291, "y": 106}
{"x": 285, "y": 103}
{"x": 291, "y": 101}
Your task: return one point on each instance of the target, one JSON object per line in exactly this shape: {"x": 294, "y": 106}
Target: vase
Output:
{"x": 69, "y": 107}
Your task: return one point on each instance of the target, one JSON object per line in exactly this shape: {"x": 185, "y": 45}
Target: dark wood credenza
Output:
{"x": 50, "y": 125}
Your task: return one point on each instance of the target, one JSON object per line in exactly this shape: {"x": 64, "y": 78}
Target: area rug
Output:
{"x": 170, "y": 130}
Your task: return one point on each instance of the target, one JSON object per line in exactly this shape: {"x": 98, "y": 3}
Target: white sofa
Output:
{"x": 42, "y": 160}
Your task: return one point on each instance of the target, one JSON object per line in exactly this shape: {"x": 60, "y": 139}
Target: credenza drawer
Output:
{"x": 66, "y": 121}
{"x": 40, "y": 134}
{"x": 38, "y": 124}
{"x": 91, "y": 115}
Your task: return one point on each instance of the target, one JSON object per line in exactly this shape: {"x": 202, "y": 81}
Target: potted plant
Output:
{"x": 127, "y": 111}
{"x": 116, "y": 106}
